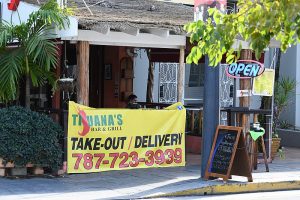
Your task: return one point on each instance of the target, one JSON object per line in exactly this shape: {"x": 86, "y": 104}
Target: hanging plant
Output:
{"x": 66, "y": 84}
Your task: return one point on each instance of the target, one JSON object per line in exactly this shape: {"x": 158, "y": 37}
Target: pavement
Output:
{"x": 156, "y": 182}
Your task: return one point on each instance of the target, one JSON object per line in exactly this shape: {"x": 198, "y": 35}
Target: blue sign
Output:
{"x": 245, "y": 69}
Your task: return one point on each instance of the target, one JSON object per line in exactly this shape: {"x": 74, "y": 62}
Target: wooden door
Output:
{"x": 96, "y": 76}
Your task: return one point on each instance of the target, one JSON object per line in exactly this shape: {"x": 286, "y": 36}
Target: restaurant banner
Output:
{"x": 119, "y": 139}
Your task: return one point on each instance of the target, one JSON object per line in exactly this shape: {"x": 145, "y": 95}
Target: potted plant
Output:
{"x": 283, "y": 89}
{"x": 194, "y": 132}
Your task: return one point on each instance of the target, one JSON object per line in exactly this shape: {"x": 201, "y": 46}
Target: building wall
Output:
{"x": 141, "y": 65}
{"x": 111, "y": 96}
{"x": 25, "y": 9}
{"x": 192, "y": 92}
{"x": 288, "y": 68}
{"x": 297, "y": 98}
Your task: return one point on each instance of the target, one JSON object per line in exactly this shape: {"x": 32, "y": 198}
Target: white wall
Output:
{"x": 141, "y": 66}
{"x": 23, "y": 12}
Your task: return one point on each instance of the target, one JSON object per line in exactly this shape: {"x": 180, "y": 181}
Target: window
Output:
{"x": 196, "y": 75}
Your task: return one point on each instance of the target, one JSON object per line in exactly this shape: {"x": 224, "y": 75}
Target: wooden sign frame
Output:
{"x": 239, "y": 161}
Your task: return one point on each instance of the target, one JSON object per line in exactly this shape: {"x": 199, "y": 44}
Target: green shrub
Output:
{"x": 29, "y": 137}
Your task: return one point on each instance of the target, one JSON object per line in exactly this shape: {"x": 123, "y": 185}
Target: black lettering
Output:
{"x": 149, "y": 142}
{"x": 167, "y": 140}
{"x": 88, "y": 143}
{"x": 161, "y": 139}
{"x": 115, "y": 143}
{"x": 174, "y": 139}
{"x": 145, "y": 138}
{"x": 122, "y": 139}
{"x": 180, "y": 138}
{"x": 74, "y": 140}
{"x": 138, "y": 142}
{"x": 108, "y": 143}
{"x": 80, "y": 144}
{"x": 97, "y": 144}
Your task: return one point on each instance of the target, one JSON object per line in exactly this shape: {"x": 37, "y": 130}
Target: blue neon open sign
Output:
{"x": 245, "y": 69}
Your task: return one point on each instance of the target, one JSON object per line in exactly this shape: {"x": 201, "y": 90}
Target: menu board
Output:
{"x": 222, "y": 153}
{"x": 228, "y": 155}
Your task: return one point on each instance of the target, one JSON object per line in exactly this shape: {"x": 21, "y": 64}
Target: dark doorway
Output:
{"x": 96, "y": 76}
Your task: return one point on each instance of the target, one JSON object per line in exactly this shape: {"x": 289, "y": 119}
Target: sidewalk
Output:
{"x": 131, "y": 184}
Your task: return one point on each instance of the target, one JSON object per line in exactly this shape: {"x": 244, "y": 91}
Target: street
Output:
{"x": 279, "y": 195}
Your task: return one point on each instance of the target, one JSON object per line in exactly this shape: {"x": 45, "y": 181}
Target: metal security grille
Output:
{"x": 226, "y": 100}
{"x": 168, "y": 82}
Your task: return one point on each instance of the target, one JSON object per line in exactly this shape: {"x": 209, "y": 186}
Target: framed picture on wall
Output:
{"x": 107, "y": 72}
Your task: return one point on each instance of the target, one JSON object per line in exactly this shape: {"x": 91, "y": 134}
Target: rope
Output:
{"x": 272, "y": 65}
{"x": 86, "y": 6}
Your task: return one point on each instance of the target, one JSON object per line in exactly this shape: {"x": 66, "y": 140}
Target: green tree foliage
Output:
{"x": 257, "y": 21}
{"x": 28, "y": 49}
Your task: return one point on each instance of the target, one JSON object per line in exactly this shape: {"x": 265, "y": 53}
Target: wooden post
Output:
{"x": 150, "y": 83}
{"x": 200, "y": 121}
{"x": 180, "y": 78}
{"x": 83, "y": 48}
{"x": 245, "y": 84}
{"x": 56, "y": 96}
{"x": 192, "y": 120}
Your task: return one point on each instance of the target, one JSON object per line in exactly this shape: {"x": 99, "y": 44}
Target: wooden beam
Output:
{"x": 83, "y": 51}
{"x": 180, "y": 77}
{"x": 159, "y": 32}
{"x": 122, "y": 39}
{"x": 102, "y": 29}
{"x": 131, "y": 31}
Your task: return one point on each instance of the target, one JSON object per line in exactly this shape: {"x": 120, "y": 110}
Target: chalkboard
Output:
{"x": 228, "y": 152}
{"x": 223, "y": 150}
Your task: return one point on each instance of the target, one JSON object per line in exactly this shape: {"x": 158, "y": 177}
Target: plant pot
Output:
{"x": 193, "y": 144}
{"x": 275, "y": 146}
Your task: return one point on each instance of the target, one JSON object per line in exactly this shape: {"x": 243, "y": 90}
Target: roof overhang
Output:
{"x": 148, "y": 38}
{"x": 246, "y": 45}
{"x": 187, "y": 2}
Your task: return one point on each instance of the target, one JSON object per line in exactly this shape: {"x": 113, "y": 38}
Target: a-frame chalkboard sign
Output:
{"x": 228, "y": 155}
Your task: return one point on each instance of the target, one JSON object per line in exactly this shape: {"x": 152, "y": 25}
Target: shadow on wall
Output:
{"x": 289, "y": 138}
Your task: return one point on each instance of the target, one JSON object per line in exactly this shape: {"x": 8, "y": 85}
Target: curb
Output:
{"x": 235, "y": 188}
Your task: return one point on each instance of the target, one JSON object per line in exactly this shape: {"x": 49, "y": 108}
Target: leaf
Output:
{"x": 189, "y": 59}
{"x": 211, "y": 11}
{"x": 230, "y": 59}
{"x": 11, "y": 64}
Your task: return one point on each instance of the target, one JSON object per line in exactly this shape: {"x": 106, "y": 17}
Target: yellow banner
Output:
{"x": 119, "y": 139}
